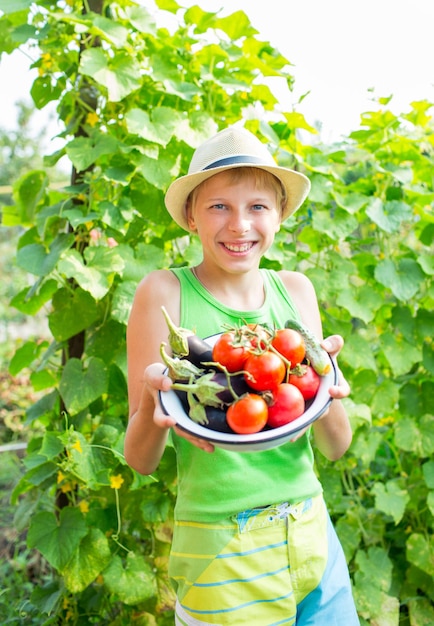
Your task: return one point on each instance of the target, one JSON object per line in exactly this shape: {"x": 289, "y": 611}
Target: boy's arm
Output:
{"x": 332, "y": 432}
{"x": 148, "y": 427}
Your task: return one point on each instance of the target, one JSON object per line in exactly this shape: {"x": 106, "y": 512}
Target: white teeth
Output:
{"x": 238, "y": 247}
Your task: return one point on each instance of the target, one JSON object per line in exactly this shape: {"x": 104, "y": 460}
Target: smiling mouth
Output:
{"x": 238, "y": 247}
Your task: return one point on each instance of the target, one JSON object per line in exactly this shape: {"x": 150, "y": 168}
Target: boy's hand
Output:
{"x": 334, "y": 345}
{"x": 156, "y": 381}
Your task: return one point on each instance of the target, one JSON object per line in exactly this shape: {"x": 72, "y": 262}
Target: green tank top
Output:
{"x": 223, "y": 483}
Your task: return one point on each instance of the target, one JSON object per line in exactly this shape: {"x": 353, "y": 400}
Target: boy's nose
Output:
{"x": 239, "y": 222}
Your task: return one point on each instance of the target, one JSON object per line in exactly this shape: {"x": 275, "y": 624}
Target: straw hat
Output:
{"x": 233, "y": 147}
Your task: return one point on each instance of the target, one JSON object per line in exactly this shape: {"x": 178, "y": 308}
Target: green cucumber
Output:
{"x": 315, "y": 353}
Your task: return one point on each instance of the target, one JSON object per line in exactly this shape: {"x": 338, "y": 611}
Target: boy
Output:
{"x": 253, "y": 543}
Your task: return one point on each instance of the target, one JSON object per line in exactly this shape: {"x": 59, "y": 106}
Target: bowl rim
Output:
{"x": 263, "y": 436}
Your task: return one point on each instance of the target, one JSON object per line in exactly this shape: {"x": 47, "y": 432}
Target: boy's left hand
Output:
{"x": 333, "y": 345}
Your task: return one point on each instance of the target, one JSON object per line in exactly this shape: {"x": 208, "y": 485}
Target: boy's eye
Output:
{"x": 218, "y": 206}
{"x": 258, "y": 207}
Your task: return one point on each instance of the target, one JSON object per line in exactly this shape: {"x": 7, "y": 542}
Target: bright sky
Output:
{"x": 340, "y": 49}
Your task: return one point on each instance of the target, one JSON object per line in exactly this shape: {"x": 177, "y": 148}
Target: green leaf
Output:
{"x": 31, "y": 299}
{"x": 28, "y": 192}
{"x": 404, "y": 277}
{"x": 24, "y": 357}
{"x": 351, "y": 202}
{"x": 80, "y": 386}
{"x": 430, "y": 502}
{"x": 43, "y": 407}
{"x": 48, "y": 597}
{"x": 362, "y": 302}
{"x": 120, "y": 75}
{"x": 385, "y": 398}
{"x": 357, "y": 353}
{"x": 400, "y": 354}
{"x": 414, "y": 437}
{"x": 337, "y": 227}
{"x": 52, "y": 445}
{"x": 158, "y": 171}
{"x": 96, "y": 275}
{"x": 235, "y": 25}
{"x": 42, "y": 379}
{"x": 122, "y": 300}
{"x": 133, "y": 582}
{"x": 92, "y": 465}
{"x": 44, "y": 91}
{"x": 372, "y": 582}
{"x": 13, "y": 6}
{"x": 297, "y": 120}
{"x": 84, "y": 151}
{"x": 141, "y": 19}
{"x": 421, "y": 611}
{"x": 110, "y": 30}
{"x": 428, "y": 473}
{"x": 88, "y": 561}
{"x": 426, "y": 261}
{"x": 64, "y": 321}
{"x": 42, "y": 474}
{"x": 365, "y": 447}
{"x": 420, "y": 552}
{"x": 389, "y": 215}
{"x": 349, "y": 533}
{"x": 57, "y": 540}
{"x": 391, "y": 499}
{"x": 36, "y": 259}
{"x": 159, "y": 129}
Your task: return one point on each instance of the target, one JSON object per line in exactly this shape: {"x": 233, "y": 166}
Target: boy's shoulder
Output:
{"x": 294, "y": 279}
{"x": 157, "y": 282}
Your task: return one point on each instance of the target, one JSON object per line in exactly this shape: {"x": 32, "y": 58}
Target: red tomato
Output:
{"x": 225, "y": 353}
{"x": 308, "y": 383}
{"x": 264, "y": 371}
{"x": 257, "y": 335}
{"x": 288, "y": 404}
{"x": 290, "y": 344}
{"x": 248, "y": 414}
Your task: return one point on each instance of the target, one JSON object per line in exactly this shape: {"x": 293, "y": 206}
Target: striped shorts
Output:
{"x": 282, "y": 564}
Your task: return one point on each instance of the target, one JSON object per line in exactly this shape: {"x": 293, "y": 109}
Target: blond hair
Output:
{"x": 261, "y": 178}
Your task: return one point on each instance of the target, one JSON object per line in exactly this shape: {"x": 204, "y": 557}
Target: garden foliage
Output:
{"x": 135, "y": 94}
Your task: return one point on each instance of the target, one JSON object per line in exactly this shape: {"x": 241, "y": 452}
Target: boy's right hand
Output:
{"x": 157, "y": 381}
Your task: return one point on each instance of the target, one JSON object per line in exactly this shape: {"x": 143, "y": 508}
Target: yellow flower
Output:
{"x": 66, "y": 487}
{"x": 116, "y": 481}
{"x": 60, "y": 477}
{"x": 92, "y": 119}
{"x": 84, "y": 507}
{"x": 47, "y": 59}
{"x": 77, "y": 446}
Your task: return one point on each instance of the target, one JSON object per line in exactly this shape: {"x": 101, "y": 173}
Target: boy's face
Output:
{"x": 235, "y": 221}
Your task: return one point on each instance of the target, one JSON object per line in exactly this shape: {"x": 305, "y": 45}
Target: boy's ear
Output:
{"x": 190, "y": 219}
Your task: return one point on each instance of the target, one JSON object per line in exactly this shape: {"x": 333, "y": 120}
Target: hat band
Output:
{"x": 233, "y": 160}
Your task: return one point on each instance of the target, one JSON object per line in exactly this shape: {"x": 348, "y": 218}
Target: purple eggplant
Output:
{"x": 237, "y": 383}
{"x": 212, "y": 388}
{"x": 186, "y": 345}
{"x": 217, "y": 420}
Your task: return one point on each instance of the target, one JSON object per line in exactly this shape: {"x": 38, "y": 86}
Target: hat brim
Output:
{"x": 296, "y": 185}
